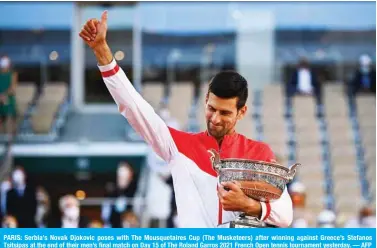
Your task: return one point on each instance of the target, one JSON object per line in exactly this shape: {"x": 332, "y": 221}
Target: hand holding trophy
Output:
{"x": 259, "y": 180}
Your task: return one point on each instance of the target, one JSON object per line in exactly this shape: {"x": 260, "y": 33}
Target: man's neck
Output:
{"x": 220, "y": 140}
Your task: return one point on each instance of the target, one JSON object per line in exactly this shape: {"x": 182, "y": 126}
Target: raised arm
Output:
{"x": 130, "y": 103}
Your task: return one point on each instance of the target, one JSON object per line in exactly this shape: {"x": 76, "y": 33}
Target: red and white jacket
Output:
{"x": 195, "y": 182}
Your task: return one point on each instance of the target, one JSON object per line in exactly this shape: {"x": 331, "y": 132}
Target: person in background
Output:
{"x": 175, "y": 220}
{"x": 95, "y": 224}
{"x": 326, "y": 219}
{"x": 366, "y": 218}
{"x": 21, "y": 200}
{"x": 362, "y": 82}
{"x": 301, "y": 217}
{"x": 106, "y": 206}
{"x": 8, "y": 85}
{"x": 125, "y": 189}
{"x": 9, "y": 221}
{"x": 130, "y": 220}
{"x": 304, "y": 82}
{"x": 43, "y": 207}
{"x": 364, "y": 79}
{"x": 6, "y": 185}
{"x": 70, "y": 214}
{"x": 158, "y": 193}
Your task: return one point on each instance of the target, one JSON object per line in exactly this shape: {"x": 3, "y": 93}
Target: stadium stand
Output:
{"x": 272, "y": 120}
{"x": 342, "y": 152}
{"x": 25, "y": 93}
{"x": 180, "y": 101}
{"x": 337, "y": 150}
{"x": 366, "y": 117}
{"x": 153, "y": 93}
{"x": 308, "y": 149}
{"x": 47, "y": 107}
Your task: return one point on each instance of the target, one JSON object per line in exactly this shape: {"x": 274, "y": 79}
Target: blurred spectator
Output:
{"x": 70, "y": 214}
{"x": 9, "y": 221}
{"x": 106, "y": 207}
{"x": 173, "y": 206}
{"x": 326, "y": 219}
{"x": 130, "y": 220}
{"x": 43, "y": 207}
{"x": 125, "y": 188}
{"x": 301, "y": 216}
{"x": 22, "y": 199}
{"x": 304, "y": 82}
{"x": 158, "y": 195}
{"x": 366, "y": 218}
{"x": 95, "y": 224}
{"x": 6, "y": 185}
{"x": 8, "y": 84}
{"x": 175, "y": 220}
{"x": 364, "y": 79}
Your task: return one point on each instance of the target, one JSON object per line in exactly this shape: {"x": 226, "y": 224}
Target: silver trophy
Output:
{"x": 259, "y": 180}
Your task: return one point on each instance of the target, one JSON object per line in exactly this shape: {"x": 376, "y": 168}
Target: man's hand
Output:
{"x": 94, "y": 31}
{"x": 94, "y": 35}
{"x": 235, "y": 200}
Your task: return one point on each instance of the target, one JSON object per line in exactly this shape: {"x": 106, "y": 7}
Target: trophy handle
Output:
{"x": 292, "y": 172}
{"x": 215, "y": 160}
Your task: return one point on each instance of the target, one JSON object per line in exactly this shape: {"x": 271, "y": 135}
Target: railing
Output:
{"x": 326, "y": 164}
{"x": 360, "y": 158}
{"x": 257, "y": 114}
{"x": 7, "y": 156}
{"x": 26, "y": 133}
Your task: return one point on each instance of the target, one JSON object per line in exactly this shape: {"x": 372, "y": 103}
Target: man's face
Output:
{"x": 222, "y": 115}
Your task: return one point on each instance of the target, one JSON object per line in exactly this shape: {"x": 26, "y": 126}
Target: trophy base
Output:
{"x": 245, "y": 222}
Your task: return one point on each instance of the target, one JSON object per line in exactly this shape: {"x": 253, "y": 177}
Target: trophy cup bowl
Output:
{"x": 262, "y": 181}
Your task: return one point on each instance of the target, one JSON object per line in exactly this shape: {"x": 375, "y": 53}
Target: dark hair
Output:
{"x": 229, "y": 84}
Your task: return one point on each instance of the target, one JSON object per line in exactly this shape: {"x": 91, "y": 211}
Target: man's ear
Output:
{"x": 241, "y": 112}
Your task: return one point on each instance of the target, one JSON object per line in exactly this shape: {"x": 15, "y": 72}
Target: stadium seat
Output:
{"x": 272, "y": 119}
{"x": 201, "y": 107}
{"x": 153, "y": 93}
{"x": 345, "y": 172}
{"x": 366, "y": 114}
{"x": 180, "y": 102}
{"x": 25, "y": 92}
{"x": 47, "y": 106}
